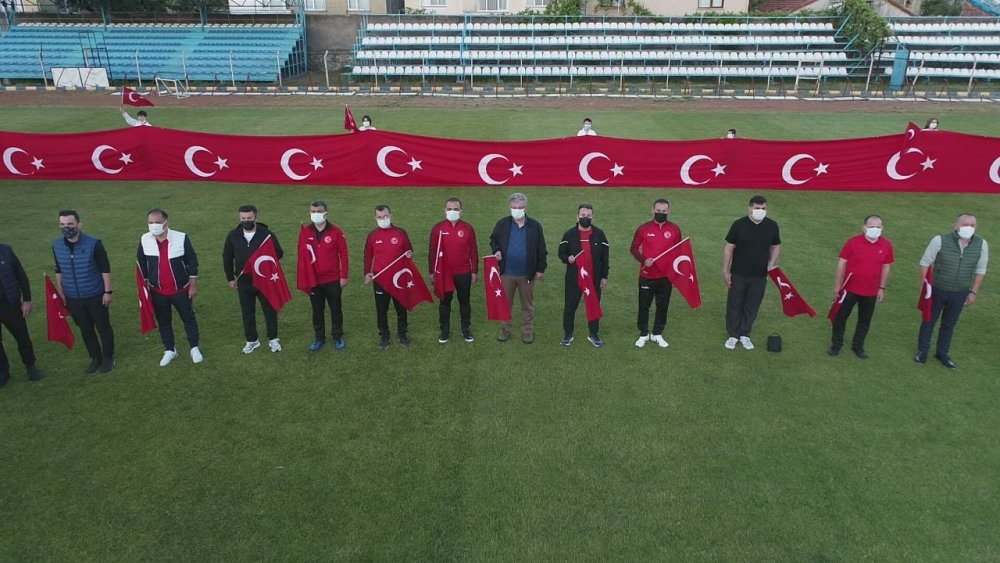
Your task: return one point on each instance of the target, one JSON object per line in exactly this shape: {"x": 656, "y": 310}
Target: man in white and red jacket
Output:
{"x": 384, "y": 245}
{"x": 452, "y": 250}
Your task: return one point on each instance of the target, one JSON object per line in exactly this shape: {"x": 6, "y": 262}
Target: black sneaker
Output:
{"x": 93, "y": 367}
{"x": 596, "y": 341}
{"x": 4, "y": 378}
{"x": 945, "y": 361}
{"x": 567, "y": 340}
{"x": 833, "y": 351}
{"x": 384, "y": 343}
{"x": 445, "y": 336}
{"x": 404, "y": 341}
{"x": 34, "y": 374}
{"x": 467, "y": 335}
{"x": 920, "y": 358}
{"x": 107, "y": 365}
{"x": 860, "y": 353}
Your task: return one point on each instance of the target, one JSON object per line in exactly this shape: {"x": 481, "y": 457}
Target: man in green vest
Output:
{"x": 959, "y": 259}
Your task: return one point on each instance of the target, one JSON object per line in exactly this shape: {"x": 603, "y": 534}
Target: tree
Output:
{"x": 864, "y": 25}
{"x": 941, "y": 8}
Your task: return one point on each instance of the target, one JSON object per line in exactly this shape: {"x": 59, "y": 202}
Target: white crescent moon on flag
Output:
{"x": 927, "y": 290}
{"x": 287, "y": 169}
{"x": 312, "y": 253}
{"x": 686, "y": 169}
{"x": 189, "y": 160}
{"x": 890, "y": 167}
{"x": 783, "y": 284}
{"x": 495, "y": 272}
{"x": 395, "y": 278}
{"x": 911, "y": 133}
{"x": 484, "y": 162}
{"x": 680, "y": 260}
{"x": 585, "y": 163}
{"x": 261, "y": 260}
{"x": 8, "y": 155}
{"x": 786, "y": 170}
{"x": 994, "y": 171}
{"x": 380, "y": 160}
{"x": 843, "y": 295}
{"x": 132, "y": 98}
{"x": 96, "y": 159}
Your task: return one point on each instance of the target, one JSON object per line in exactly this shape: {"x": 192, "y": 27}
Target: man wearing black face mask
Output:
{"x": 583, "y": 239}
{"x": 240, "y": 244}
{"x": 651, "y": 240}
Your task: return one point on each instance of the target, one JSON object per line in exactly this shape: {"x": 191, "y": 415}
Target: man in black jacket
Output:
{"x": 240, "y": 244}
{"x": 583, "y": 240}
{"x": 518, "y": 243}
{"x": 15, "y": 306}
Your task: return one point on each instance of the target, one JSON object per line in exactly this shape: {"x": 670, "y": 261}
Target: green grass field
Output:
{"x": 494, "y": 451}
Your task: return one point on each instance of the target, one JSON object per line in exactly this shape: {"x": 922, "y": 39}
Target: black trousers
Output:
{"x": 866, "y": 308}
{"x": 11, "y": 317}
{"x": 654, "y": 290}
{"x": 572, "y": 303}
{"x": 162, "y": 305}
{"x": 382, "y": 299}
{"x": 93, "y": 318}
{"x": 248, "y": 297}
{"x": 947, "y": 306}
{"x": 742, "y": 304}
{"x": 323, "y": 295}
{"x": 463, "y": 286}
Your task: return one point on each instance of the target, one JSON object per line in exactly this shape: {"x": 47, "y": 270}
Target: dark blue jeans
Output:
{"x": 866, "y": 308}
{"x": 162, "y": 305}
{"x": 946, "y": 305}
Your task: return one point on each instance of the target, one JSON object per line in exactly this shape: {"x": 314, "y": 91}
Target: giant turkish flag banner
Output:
{"x": 402, "y": 280}
{"x": 497, "y": 302}
{"x": 792, "y": 303}
{"x": 56, "y": 315}
{"x": 678, "y": 263}
{"x": 268, "y": 277}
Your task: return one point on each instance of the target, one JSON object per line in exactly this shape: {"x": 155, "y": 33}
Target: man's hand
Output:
{"x": 192, "y": 291}
{"x": 343, "y": 282}
{"x": 970, "y": 298}
{"x": 474, "y": 277}
{"x": 649, "y": 262}
{"x": 498, "y": 255}
{"x": 232, "y": 284}
{"x": 409, "y": 254}
{"x": 26, "y": 309}
{"x": 369, "y": 278}
{"x": 604, "y": 283}
{"x": 539, "y": 276}
{"x": 106, "y": 300}
{"x": 881, "y": 295}
{"x": 571, "y": 259}
{"x": 727, "y": 279}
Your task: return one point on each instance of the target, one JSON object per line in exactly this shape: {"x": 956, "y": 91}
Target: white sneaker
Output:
{"x": 168, "y": 357}
{"x": 275, "y": 344}
{"x": 251, "y": 346}
{"x": 659, "y": 340}
{"x": 196, "y": 356}
{"x": 731, "y": 343}
{"x": 642, "y": 341}
{"x": 745, "y": 341}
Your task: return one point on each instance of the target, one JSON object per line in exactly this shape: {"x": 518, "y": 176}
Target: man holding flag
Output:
{"x": 518, "y": 243}
{"x": 132, "y": 98}
{"x": 651, "y": 240}
{"x": 15, "y": 306}
{"x": 169, "y": 266}
{"x": 861, "y": 277}
{"x": 453, "y": 260}
{"x": 323, "y": 268}
{"x": 384, "y": 247}
{"x": 752, "y": 248}
{"x": 584, "y": 249}
{"x": 238, "y": 251}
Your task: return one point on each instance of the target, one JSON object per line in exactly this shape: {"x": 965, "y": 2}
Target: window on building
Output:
{"x": 493, "y": 5}
{"x": 710, "y": 3}
{"x": 315, "y": 5}
{"x": 359, "y": 5}
{"x": 435, "y": 3}
{"x": 538, "y": 3}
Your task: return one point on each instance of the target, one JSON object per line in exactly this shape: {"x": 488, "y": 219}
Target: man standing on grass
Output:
{"x": 329, "y": 247}
{"x": 518, "y": 244}
{"x": 650, "y": 241}
{"x": 240, "y": 244}
{"x": 959, "y": 259}
{"x": 384, "y": 245}
{"x": 752, "y": 247}
{"x": 169, "y": 265}
{"x": 83, "y": 280}
{"x": 452, "y": 251}
{"x": 584, "y": 243}
{"x": 864, "y": 263}
{"x": 15, "y": 306}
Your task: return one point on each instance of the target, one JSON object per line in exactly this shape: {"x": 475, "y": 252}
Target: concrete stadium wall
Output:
{"x": 334, "y": 33}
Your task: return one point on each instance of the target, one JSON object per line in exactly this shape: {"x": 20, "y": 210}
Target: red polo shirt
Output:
{"x": 168, "y": 285}
{"x": 864, "y": 263}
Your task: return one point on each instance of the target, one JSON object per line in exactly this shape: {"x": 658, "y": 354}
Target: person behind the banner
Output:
{"x": 518, "y": 243}
{"x": 366, "y": 124}
{"x": 587, "y": 130}
{"x": 332, "y": 269}
{"x": 861, "y": 278}
{"x": 588, "y": 244}
{"x": 385, "y": 244}
{"x": 15, "y": 306}
{"x": 240, "y": 244}
{"x": 452, "y": 249}
{"x": 650, "y": 241}
{"x": 141, "y": 118}
{"x": 83, "y": 280}
{"x": 169, "y": 265}
{"x": 931, "y": 125}
{"x": 730, "y": 134}
{"x": 752, "y": 248}
{"x": 959, "y": 258}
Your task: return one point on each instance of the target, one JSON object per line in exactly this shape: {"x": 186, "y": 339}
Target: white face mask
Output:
{"x": 157, "y": 229}
{"x": 317, "y": 217}
{"x": 384, "y": 223}
{"x": 932, "y": 125}
{"x": 758, "y": 214}
{"x": 873, "y": 232}
{"x": 730, "y": 135}
{"x": 452, "y": 215}
{"x": 587, "y": 126}
{"x": 966, "y": 232}
{"x": 366, "y": 124}
{"x": 517, "y": 214}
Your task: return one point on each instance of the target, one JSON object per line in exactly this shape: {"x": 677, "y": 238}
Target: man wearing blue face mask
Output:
{"x": 959, "y": 259}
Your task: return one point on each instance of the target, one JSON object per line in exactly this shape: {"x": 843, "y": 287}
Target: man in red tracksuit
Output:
{"x": 330, "y": 249}
{"x": 384, "y": 245}
{"x": 651, "y": 239}
{"x": 452, "y": 251}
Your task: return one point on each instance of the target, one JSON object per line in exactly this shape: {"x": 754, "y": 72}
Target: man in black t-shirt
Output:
{"x": 752, "y": 248}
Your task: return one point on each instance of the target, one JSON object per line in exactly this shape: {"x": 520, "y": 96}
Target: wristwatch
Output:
{"x": 108, "y": 292}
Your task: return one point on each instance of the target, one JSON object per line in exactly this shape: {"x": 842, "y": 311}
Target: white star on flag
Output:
{"x": 415, "y": 164}
{"x": 222, "y": 163}
{"x": 126, "y": 158}
{"x": 275, "y": 277}
{"x": 37, "y": 163}
{"x": 617, "y": 170}
{"x": 515, "y": 170}
{"x": 789, "y": 296}
{"x": 409, "y": 285}
{"x": 821, "y": 169}
{"x": 929, "y": 163}
{"x": 719, "y": 169}
{"x": 317, "y": 163}
{"x": 583, "y": 272}
{"x": 499, "y": 293}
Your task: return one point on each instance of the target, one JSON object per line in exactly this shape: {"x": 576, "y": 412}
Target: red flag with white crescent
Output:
{"x": 678, "y": 263}
{"x": 497, "y": 302}
{"x": 147, "y": 316}
{"x": 839, "y": 300}
{"x": 402, "y": 280}
{"x": 132, "y": 98}
{"x": 926, "y": 292}
{"x": 585, "y": 281}
{"x": 792, "y": 303}
{"x": 444, "y": 283}
{"x": 305, "y": 273}
{"x": 268, "y": 277}
{"x": 56, "y": 315}
{"x": 349, "y": 122}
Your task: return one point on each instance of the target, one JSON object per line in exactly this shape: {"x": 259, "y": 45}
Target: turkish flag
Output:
{"x": 132, "y": 98}
{"x": 926, "y": 291}
{"x": 443, "y": 282}
{"x": 305, "y": 274}
{"x": 268, "y": 279}
{"x": 585, "y": 281}
{"x": 147, "y": 319}
{"x": 835, "y": 307}
{"x": 56, "y": 315}
{"x": 349, "y": 122}
{"x": 678, "y": 263}
{"x": 497, "y": 303}
{"x": 404, "y": 283}
{"x": 792, "y": 302}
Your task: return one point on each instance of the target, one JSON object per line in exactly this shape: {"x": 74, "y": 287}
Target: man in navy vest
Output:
{"x": 15, "y": 306}
{"x": 83, "y": 280}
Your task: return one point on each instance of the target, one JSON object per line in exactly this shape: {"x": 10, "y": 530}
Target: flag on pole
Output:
{"x": 925, "y": 303}
{"x": 305, "y": 273}
{"x": 349, "y": 122}
{"x": 132, "y": 98}
{"x": 56, "y": 315}
{"x": 839, "y": 300}
{"x": 444, "y": 283}
{"x": 404, "y": 283}
{"x": 268, "y": 277}
{"x": 497, "y": 303}
{"x": 147, "y": 317}
{"x": 792, "y": 302}
{"x": 585, "y": 281}
{"x": 678, "y": 264}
